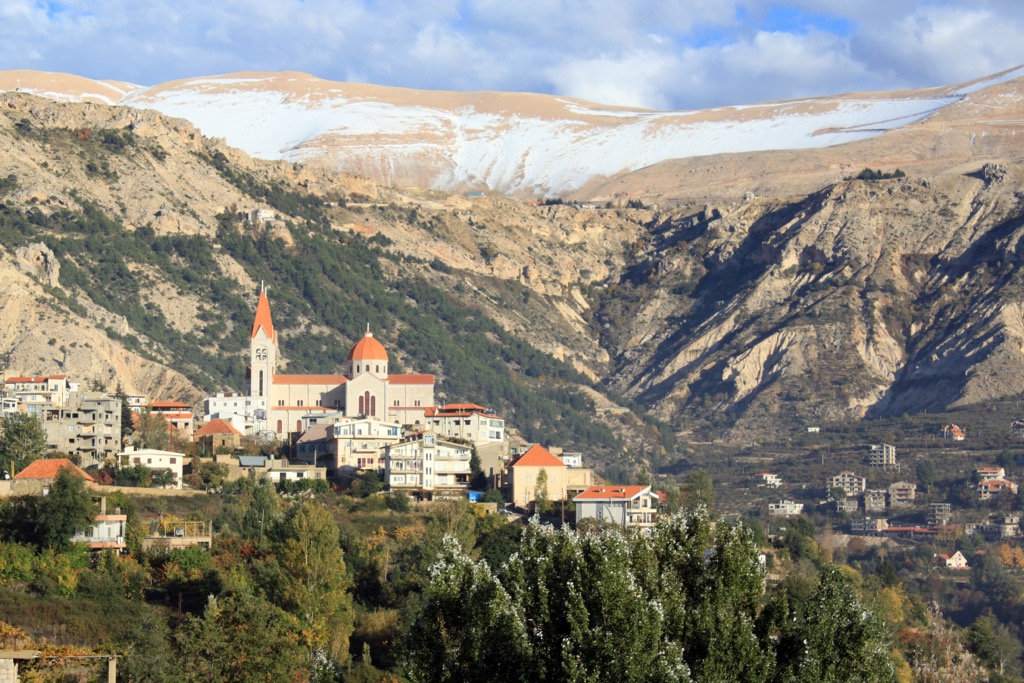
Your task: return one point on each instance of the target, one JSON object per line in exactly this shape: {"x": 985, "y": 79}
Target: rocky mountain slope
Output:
{"x": 770, "y": 290}
{"x": 509, "y": 143}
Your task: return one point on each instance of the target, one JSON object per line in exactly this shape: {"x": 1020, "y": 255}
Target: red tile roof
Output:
{"x": 333, "y": 380}
{"x": 411, "y": 379}
{"x": 611, "y": 493}
{"x": 537, "y": 456}
{"x": 462, "y": 407}
{"x": 368, "y": 348}
{"x": 263, "y": 319}
{"x": 34, "y": 380}
{"x": 49, "y": 468}
{"x": 217, "y": 426}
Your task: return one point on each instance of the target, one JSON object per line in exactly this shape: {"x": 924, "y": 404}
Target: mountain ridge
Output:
{"x": 493, "y": 141}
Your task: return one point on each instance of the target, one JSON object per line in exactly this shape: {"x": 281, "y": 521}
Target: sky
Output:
{"x": 657, "y": 54}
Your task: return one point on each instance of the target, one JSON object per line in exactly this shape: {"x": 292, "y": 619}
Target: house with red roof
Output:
{"x": 178, "y": 415}
{"x": 630, "y": 507}
{"x": 38, "y": 476}
{"x": 34, "y": 394}
{"x": 996, "y": 488}
{"x": 955, "y": 560}
{"x": 217, "y": 434}
{"x": 278, "y": 402}
{"x": 525, "y": 472}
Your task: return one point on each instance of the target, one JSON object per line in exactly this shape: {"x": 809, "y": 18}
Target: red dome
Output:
{"x": 368, "y": 348}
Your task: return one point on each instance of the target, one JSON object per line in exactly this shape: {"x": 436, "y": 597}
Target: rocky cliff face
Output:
{"x": 723, "y": 311}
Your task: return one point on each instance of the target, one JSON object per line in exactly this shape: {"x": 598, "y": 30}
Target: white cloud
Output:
{"x": 639, "y": 52}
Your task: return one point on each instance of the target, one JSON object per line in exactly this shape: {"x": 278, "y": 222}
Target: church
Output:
{"x": 277, "y": 402}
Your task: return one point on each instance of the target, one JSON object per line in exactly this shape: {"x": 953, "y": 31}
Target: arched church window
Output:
{"x": 280, "y": 426}
{"x": 377, "y": 370}
{"x": 373, "y": 406}
{"x": 362, "y": 408}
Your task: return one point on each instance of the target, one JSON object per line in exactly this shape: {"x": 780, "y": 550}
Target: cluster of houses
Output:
{"x": 848, "y": 493}
{"x": 334, "y": 426}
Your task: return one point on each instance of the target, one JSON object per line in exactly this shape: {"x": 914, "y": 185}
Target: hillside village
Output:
{"x": 368, "y": 424}
{"x": 305, "y": 429}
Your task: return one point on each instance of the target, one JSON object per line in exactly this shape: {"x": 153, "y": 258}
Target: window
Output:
{"x": 300, "y": 403}
{"x": 261, "y": 384}
{"x": 396, "y": 402}
{"x": 280, "y": 404}
{"x": 280, "y": 426}
{"x": 174, "y": 461}
{"x": 416, "y": 403}
{"x": 377, "y": 369}
{"x": 318, "y": 401}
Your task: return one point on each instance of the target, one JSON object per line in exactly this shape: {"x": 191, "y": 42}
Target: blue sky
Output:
{"x": 662, "y": 54}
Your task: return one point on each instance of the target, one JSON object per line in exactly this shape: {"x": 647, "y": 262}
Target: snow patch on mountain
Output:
{"x": 437, "y": 139}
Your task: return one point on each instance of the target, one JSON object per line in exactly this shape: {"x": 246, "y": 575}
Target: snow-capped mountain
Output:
{"x": 502, "y": 142}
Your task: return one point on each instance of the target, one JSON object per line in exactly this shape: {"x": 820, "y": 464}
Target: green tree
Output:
{"x": 315, "y": 581}
{"x": 478, "y": 480}
{"x": 242, "y": 639}
{"x": 996, "y": 645}
{"x": 835, "y": 639}
{"x": 468, "y": 628}
{"x": 126, "y": 412}
{"x": 153, "y": 431}
{"x": 146, "y": 653}
{"x": 261, "y": 512}
{"x": 541, "y": 502}
{"x": 65, "y": 510}
{"x": 588, "y": 616}
{"x": 22, "y": 441}
{"x": 925, "y": 471}
{"x": 699, "y": 492}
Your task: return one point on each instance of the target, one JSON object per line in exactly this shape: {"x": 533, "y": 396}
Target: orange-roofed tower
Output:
{"x": 366, "y": 392}
{"x": 262, "y": 350}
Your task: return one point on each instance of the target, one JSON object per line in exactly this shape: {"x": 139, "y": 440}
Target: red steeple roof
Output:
{"x": 368, "y": 348}
{"x": 263, "y": 317}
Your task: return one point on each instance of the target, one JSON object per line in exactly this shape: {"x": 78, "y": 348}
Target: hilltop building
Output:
{"x": 851, "y": 484}
{"x": 277, "y": 402}
{"x": 882, "y": 455}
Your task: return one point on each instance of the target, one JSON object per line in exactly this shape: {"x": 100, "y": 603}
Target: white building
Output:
{"x": 767, "y": 480}
{"x": 467, "y": 421}
{"x": 848, "y": 482}
{"x": 990, "y": 473}
{"x": 156, "y": 460}
{"x": 785, "y": 508}
{"x": 882, "y": 455}
{"x": 630, "y": 507}
{"x": 427, "y": 467}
